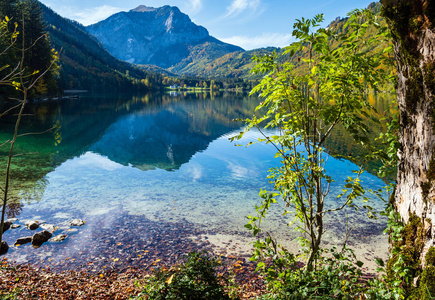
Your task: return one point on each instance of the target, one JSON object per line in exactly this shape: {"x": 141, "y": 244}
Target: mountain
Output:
{"x": 239, "y": 64}
{"x": 86, "y": 65}
{"x": 230, "y": 65}
{"x": 158, "y": 36}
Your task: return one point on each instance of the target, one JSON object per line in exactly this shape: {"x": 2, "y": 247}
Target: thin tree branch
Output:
{"x": 8, "y": 141}
{"x": 8, "y": 110}
{"x": 23, "y": 154}
{"x": 36, "y": 133}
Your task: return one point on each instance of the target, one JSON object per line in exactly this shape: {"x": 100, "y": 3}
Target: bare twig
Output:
{"x": 10, "y": 109}
{"x": 36, "y": 133}
{"x": 22, "y": 154}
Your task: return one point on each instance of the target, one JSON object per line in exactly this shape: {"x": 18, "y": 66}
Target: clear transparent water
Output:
{"x": 140, "y": 167}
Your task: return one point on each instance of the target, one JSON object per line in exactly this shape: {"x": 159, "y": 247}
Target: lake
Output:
{"x": 155, "y": 176}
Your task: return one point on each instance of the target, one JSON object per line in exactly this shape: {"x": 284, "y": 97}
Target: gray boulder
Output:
{"x": 48, "y": 227}
{"x": 41, "y": 237}
{"x": 59, "y": 238}
{"x": 6, "y": 225}
{"x": 77, "y": 222}
{"x": 32, "y": 225}
{"x": 23, "y": 240}
{"x": 4, "y": 248}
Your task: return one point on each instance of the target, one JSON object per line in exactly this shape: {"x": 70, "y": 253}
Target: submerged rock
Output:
{"x": 77, "y": 222}
{"x": 48, "y": 227}
{"x": 32, "y": 225}
{"x": 59, "y": 238}
{"x": 23, "y": 240}
{"x": 15, "y": 226}
{"x": 4, "y": 248}
{"x": 6, "y": 225}
{"x": 41, "y": 237}
{"x": 70, "y": 231}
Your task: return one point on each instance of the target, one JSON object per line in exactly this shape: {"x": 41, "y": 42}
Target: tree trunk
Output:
{"x": 412, "y": 23}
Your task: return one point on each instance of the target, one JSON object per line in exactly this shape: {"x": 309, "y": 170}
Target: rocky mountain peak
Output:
{"x": 143, "y": 8}
{"x": 146, "y": 35}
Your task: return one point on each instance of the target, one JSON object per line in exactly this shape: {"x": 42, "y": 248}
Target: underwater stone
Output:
{"x": 6, "y": 225}
{"x": 77, "y": 222}
{"x": 71, "y": 231}
{"x": 48, "y": 227}
{"x": 59, "y": 238}
{"x": 23, "y": 240}
{"x": 32, "y": 225}
{"x": 15, "y": 226}
{"x": 41, "y": 237}
{"x": 4, "y": 248}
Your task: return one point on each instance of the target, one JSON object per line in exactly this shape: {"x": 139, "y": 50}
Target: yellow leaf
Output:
{"x": 17, "y": 245}
{"x": 101, "y": 275}
{"x": 169, "y": 281}
{"x": 119, "y": 244}
{"x": 115, "y": 259}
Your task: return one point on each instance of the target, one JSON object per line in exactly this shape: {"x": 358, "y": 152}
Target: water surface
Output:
{"x": 153, "y": 176}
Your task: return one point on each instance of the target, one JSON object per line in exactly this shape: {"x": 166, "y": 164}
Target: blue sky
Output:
{"x": 247, "y": 23}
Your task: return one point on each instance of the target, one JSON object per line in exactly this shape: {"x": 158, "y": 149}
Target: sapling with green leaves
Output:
{"x": 301, "y": 113}
{"x": 23, "y": 82}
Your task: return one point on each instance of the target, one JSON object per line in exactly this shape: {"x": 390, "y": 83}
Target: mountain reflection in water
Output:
{"x": 164, "y": 161}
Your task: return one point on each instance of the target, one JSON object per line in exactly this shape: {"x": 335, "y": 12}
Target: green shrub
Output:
{"x": 336, "y": 275}
{"x": 194, "y": 279}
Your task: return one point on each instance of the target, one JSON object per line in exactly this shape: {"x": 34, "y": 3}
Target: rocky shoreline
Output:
{"x": 38, "y": 238}
{"x": 111, "y": 262}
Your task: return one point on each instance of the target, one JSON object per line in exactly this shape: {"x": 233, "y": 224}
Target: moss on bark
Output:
{"x": 412, "y": 245}
{"x": 426, "y": 284}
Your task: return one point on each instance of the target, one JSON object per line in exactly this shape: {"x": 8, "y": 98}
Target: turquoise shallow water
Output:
{"x": 167, "y": 162}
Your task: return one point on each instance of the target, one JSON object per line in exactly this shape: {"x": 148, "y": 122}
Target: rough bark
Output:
{"x": 412, "y": 25}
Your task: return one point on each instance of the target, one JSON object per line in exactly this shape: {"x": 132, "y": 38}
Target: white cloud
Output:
{"x": 93, "y": 15}
{"x": 90, "y": 159}
{"x": 195, "y": 5}
{"x": 238, "y": 172}
{"x": 261, "y": 41}
{"x": 239, "y": 6}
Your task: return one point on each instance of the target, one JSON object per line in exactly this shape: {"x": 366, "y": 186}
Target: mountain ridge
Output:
{"x": 85, "y": 63}
{"x": 161, "y": 36}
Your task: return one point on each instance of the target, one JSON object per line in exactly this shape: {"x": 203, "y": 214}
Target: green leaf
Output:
{"x": 379, "y": 262}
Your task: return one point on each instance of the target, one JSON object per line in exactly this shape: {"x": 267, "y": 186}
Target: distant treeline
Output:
{"x": 25, "y": 18}
{"x": 86, "y": 65}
